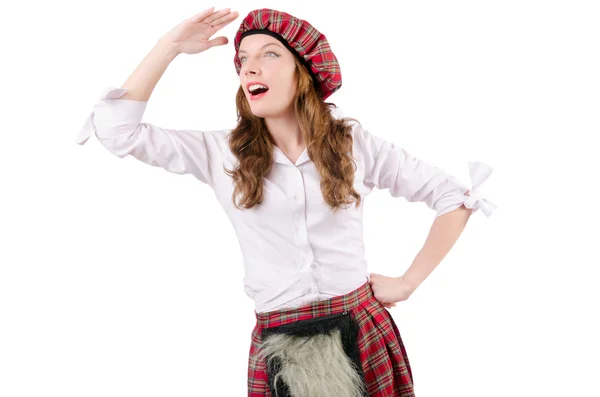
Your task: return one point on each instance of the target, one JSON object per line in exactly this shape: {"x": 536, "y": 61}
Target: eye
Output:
{"x": 266, "y": 53}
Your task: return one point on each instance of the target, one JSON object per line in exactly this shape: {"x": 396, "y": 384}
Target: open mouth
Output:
{"x": 257, "y": 90}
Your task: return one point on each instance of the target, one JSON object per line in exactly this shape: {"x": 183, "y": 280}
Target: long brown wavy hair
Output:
{"x": 329, "y": 146}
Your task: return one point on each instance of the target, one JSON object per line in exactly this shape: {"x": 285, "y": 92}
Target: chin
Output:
{"x": 264, "y": 111}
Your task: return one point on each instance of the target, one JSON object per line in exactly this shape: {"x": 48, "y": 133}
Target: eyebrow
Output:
{"x": 266, "y": 45}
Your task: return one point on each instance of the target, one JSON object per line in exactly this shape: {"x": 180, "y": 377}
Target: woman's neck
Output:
{"x": 286, "y": 132}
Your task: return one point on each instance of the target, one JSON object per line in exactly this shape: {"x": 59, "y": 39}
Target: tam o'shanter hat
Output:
{"x": 308, "y": 44}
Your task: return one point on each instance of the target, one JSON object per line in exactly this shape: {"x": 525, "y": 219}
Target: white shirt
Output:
{"x": 295, "y": 249}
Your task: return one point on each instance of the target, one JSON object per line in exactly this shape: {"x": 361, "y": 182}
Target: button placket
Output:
{"x": 299, "y": 230}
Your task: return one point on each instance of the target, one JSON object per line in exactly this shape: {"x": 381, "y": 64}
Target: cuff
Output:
{"x": 89, "y": 127}
{"x": 479, "y": 173}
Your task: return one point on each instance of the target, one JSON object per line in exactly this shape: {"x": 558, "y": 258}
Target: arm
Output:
{"x": 143, "y": 80}
{"x": 444, "y": 233}
{"x": 388, "y": 166}
{"x": 125, "y": 116}
{"x": 117, "y": 116}
{"x": 117, "y": 123}
{"x": 191, "y": 36}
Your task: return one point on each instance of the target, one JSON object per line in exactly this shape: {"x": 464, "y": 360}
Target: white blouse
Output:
{"x": 295, "y": 249}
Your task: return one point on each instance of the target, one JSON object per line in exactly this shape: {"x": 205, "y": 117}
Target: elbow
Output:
{"x": 120, "y": 140}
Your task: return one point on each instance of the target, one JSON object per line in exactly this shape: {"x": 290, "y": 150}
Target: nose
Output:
{"x": 251, "y": 67}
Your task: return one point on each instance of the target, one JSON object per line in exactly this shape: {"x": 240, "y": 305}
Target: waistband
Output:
{"x": 352, "y": 301}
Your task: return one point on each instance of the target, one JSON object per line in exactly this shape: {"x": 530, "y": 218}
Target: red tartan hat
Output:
{"x": 304, "y": 41}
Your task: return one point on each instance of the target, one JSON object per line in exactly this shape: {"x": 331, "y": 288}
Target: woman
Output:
{"x": 291, "y": 176}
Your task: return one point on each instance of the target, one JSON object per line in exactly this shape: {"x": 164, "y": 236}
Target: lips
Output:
{"x": 257, "y": 96}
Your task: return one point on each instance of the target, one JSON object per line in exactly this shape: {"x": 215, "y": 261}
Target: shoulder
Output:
{"x": 339, "y": 114}
{"x": 363, "y": 138}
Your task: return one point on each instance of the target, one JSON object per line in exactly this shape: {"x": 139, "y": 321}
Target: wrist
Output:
{"x": 168, "y": 47}
{"x": 411, "y": 280}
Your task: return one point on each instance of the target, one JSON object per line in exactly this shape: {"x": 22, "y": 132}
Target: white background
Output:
{"x": 120, "y": 279}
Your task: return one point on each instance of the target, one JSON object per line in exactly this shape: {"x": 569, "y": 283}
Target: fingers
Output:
{"x": 209, "y": 16}
{"x": 224, "y": 20}
{"x": 201, "y": 15}
{"x": 210, "y": 20}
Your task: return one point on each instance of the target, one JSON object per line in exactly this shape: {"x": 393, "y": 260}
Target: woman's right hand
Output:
{"x": 193, "y": 35}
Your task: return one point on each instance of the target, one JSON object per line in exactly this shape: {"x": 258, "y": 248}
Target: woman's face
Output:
{"x": 265, "y": 61}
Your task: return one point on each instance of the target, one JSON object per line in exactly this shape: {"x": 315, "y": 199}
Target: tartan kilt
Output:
{"x": 383, "y": 360}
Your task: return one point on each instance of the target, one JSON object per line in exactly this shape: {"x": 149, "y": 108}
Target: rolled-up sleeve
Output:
{"x": 388, "y": 166}
{"x": 117, "y": 123}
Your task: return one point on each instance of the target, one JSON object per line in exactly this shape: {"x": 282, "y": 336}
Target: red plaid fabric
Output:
{"x": 382, "y": 353}
{"x": 308, "y": 43}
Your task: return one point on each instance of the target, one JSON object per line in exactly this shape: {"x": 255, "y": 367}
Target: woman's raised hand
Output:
{"x": 193, "y": 35}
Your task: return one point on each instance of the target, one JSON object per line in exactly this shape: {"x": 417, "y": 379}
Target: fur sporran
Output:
{"x": 318, "y": 357}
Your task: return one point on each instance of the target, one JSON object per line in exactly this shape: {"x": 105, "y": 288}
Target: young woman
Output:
{"x": 291, "y": 176}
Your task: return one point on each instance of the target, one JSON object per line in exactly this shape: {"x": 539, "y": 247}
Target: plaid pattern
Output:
{"x": 307, "y": 41}
{"x": 382, "y": 353}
